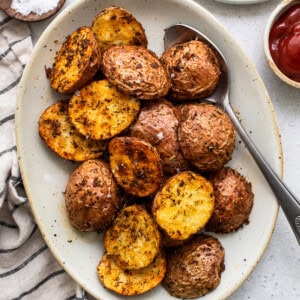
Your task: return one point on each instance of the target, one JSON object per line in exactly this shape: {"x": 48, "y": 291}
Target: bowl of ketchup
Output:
{"x": 282, "y": 42}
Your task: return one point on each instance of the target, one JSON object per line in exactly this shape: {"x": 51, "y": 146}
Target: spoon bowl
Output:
{"x": 180, "y": 33}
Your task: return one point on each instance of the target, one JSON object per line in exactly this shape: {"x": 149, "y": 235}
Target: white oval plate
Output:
{"x": 45, "y": 174}
{"x": 241, "y": 1}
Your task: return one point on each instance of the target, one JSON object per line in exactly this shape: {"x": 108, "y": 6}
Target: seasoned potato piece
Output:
{"x": 184, "y": 205}
{"x": 62, "y": 137}
{"x": 133, "y": 239}
{"x": 76, "y": 62}
{"x": 115, "y": 26}
{"x": 91, "y": 196}
{"x": 136, "y": 71}
{"x": 100, "y": 112}
{"x": 131, "y": 282}
{"x": 136, "y": 165}
{"x": 195, "y": 268}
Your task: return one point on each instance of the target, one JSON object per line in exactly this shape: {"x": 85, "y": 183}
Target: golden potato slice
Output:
{"x": 62, "y": 137}
{"x": 136, "y": 165}
{"x": 100, "y": 112}
{"x": 76, "y": 62}
{"x": 184, "y": 205}
{"x": 115, "y": 26}
{"x": 131, "y": 282}
{"x": 133, "y": 240}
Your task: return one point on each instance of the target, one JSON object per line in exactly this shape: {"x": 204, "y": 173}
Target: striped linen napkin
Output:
{"x": 27, "y": 268}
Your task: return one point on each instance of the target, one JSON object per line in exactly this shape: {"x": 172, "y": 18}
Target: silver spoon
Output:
{"x": 180, "y": 33}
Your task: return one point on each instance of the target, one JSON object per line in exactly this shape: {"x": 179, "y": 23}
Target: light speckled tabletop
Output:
{"x": 277, "y": 274}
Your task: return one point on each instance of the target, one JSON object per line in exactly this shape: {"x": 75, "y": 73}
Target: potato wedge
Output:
{"x": 184, "y": 205}
{"x": 62, "y": 138}
{"x": 76, "y": 62}
{"x": 133, "y": 240}
{"x": 135, "y": 165}
{"x": 115, "y": 26}
{"x": 131, "y": 282}
{"x": 100, "y": 112}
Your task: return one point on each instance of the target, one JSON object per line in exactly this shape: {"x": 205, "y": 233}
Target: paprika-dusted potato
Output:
{"x": 135, "y": 165}
{"x": 157, "y": 124}
{"x": 115, "y": 26}
{"x": 184, "y": 205}
{"x": 233, "y": 201}
{"x": 136, "y": 71}
{"x": 131, "y": 282}
{"x": 100, "y": 112}
{"x": 91, "y": 196}
{"x": 133, "y": 240}
{"x": 194, "y": 269}
{"x": 206, "y": 135}
{"x": 193, "y": 68}
{"x": 62, "y": 137}
{"x": 76, "y": 62}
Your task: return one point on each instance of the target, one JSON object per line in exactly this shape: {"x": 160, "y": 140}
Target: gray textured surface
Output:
{"x": 277, "y": 274}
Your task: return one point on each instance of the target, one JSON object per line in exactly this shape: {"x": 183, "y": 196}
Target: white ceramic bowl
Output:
{"x": 275, "y": 15}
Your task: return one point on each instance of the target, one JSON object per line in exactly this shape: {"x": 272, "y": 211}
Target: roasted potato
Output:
{"x": 184, "y": 205}
{"x": 91, "y": 196}
{"x": 233, "y": 201}
{"x": 133, "y": 240}
{"x": 76, "y": 62}
{"x": 136, "y": 71}
{"x": 99, "y": 111}
{"x": 194, "y": 269}
{"x": 206, "y": 135}
{"x": 135, "y": 165}
{"x": 157, "y": 124}
{"x": 115, "y": 26}
{"x": 62, "y": 137}
{"x": 131, "y": 282}
{"x": 193, "y": 68}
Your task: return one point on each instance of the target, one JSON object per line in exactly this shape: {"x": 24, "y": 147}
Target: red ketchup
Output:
{"x": 284, "y": 43}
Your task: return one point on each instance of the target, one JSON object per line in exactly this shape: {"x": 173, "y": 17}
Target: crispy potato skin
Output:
{"x": 133, "y": 240}
{"x": 157, "y": 124}
{"x": 195, "y": 268}
{"x": 91, "y": 196}
{"x": 62, "y": 137}
{"x": 193, "y": 68}
{"x": 234, "y": 201}
{"x": 76, "y": 62}
{"x": 136, "y": 71}
{"x": 206, "y": 135}
{"x": 115, "y": 26}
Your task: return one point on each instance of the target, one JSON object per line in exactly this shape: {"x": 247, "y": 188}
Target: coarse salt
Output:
{"x": 39, "y": 7}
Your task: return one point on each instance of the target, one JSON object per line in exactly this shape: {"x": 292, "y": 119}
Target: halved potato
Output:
{"x": 100, "y": 112}
{"x": 133, "y": 240}
{"x": 135, "y": 165}
{"x": 62, "y": 137}
{"x": 184, "y": 205}
{"x": 77, "y": 61}
{"x": 115, "y": 26}
{"x": 131, "y": 282}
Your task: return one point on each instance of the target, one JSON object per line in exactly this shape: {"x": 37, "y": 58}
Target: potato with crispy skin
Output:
{"x": 91, "y": 196}
{"x": 136, "y": 71}
{"x": 184, "y": 205}
{"x": 233, "y": 201}
{"x": 206, "y": 135}
{"x": 77, "y": 61}
{"x": 133, "y": 240}
{"x": 194, "y": 269}
{"x": 62, "y": 137}
{"x": 157, "y": 124}
{"x": 114, "y": 26}
{"x": 135, "y": 165}
{"x": 193, "y": 68}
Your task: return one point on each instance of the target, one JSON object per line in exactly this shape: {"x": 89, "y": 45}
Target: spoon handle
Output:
{"x": 288, "y": 202}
